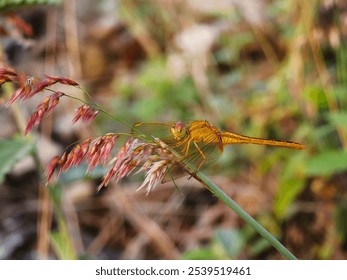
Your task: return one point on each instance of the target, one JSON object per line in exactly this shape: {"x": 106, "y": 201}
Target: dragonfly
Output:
{"x": 198, "y": 143}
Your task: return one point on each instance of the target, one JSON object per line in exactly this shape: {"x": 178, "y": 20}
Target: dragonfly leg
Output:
{"x": 186, "y": 149}
{"x": 202, "y": 155}
{"x": 201, "y": 163}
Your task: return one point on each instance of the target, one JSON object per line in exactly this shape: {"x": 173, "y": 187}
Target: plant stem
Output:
{"x": 244, "y": 215}
{"x": 187, "y": 166}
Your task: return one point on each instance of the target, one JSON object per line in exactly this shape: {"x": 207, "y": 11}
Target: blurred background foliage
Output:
{"x": 272, "y": 69}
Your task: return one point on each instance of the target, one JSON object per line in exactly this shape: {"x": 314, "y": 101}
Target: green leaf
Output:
{"x": 287, "y": 193}
{"x": 200, "y": 254}
{"x": 327, "y": 163}
{"x": 61, "y": 238}
{"x": 340, "y": 221}
{"x": 338, "y": 118}
{"x": 259, "y": 246}
{"x": 316, "y": 95}
{"x": 79, "y": 173}
{"x": 62, "y": 246}
{"x": 12, "y": 151}
{"x": 291, "y": 184}
{"x": 231, "y": 241}
{"x": 339, "y": 91}
{"x": 10, "y": 4}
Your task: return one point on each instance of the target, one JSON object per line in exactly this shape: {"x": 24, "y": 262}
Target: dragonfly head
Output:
{"x": 179, "y": 130}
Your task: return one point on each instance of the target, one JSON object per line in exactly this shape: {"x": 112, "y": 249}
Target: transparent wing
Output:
{"x": 151, "y": 130}
{"x": 194, "y": 160}
{"x": 200, "y": 149}
{"x": 201, "y": 154}
{"x": 205, "y": 145}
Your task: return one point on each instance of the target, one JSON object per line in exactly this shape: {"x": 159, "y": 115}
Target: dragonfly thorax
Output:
{"x": 179, "y": 131}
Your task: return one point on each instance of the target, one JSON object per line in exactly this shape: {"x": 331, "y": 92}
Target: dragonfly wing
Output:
{"x": 201, "y": 154}
{"x": 198, "y": 150}
{"x": 194, "y": 160}
{"x": 151, "y": 130}
{"x": 175, "y": 172}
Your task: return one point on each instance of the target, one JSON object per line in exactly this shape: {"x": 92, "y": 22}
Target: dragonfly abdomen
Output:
{"x": 229, "y": 138}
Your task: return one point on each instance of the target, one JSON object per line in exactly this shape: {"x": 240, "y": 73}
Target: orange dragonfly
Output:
{"x": 199, "y": 143}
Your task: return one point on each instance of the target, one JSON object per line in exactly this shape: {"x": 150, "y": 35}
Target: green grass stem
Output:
{"x": 244, "y": 216}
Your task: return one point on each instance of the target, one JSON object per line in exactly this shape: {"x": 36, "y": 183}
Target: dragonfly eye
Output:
{"x": 179, "y": 126}
{"x": 178, "y": 130}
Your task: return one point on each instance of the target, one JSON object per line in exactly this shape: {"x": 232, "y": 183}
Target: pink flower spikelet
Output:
{"x": 33, "y": 85}
{"x": 7, "y": 75}
{"x": 152, "y": 159}
{"x": 85, "y": 113}
{"x": 46, "y": 106}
